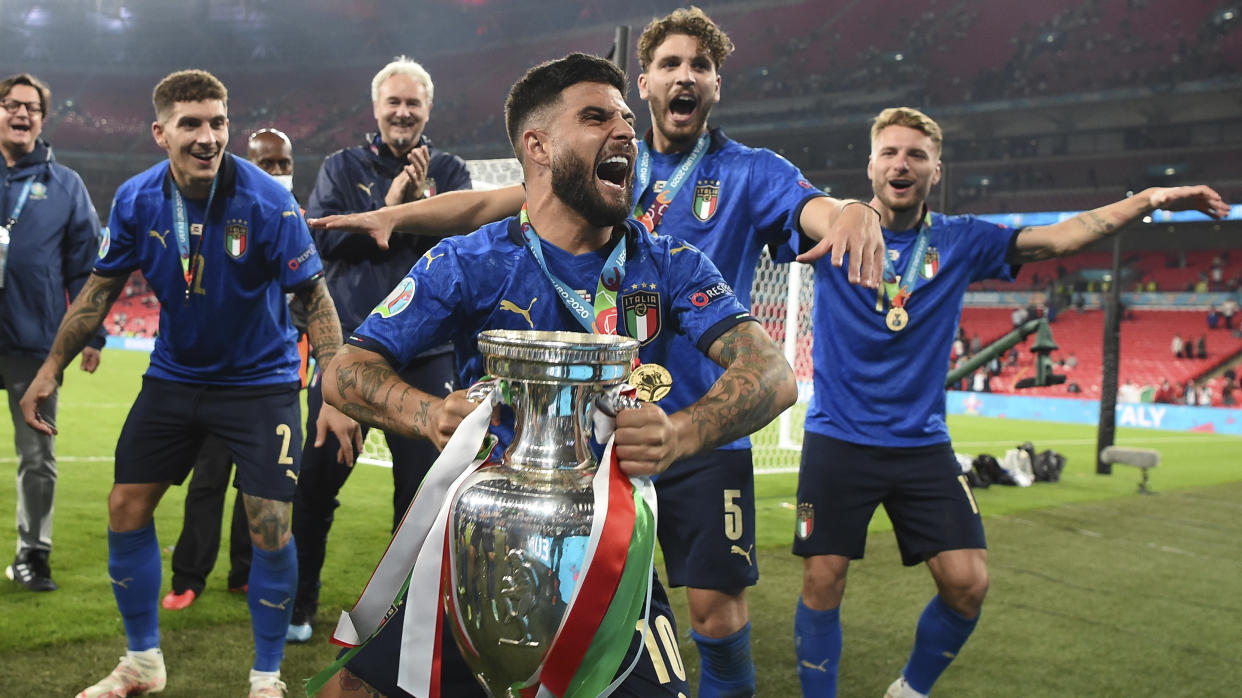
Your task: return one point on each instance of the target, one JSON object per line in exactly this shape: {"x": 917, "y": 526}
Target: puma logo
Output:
{"x": 817, "y": 667}
{"x": 286, "y": 214}
{"x": 124, "y": 583}
{"x": 678, "y": 249}
{"x": 159, "y": 237}
{"x": 366, "y": 187}
{"x": 524, "y": 312}
{"x": 291, "y": 475}
{"x": 431, "y": 257}
{"x": 279, "y": 606}
{"x": 737, "y": 550}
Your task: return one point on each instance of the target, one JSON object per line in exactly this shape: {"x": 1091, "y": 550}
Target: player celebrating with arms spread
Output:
{"x": 890, "y": 444}
{"x": 220, "y": 242}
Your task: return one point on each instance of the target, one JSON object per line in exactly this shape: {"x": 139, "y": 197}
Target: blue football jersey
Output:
{"x": 234, "y": 329}
{"x": 491, "y": 280}
{"x": 877, "y": 387}
{"x": 736, "y": 201}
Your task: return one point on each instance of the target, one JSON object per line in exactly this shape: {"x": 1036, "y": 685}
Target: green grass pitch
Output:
{"x": 1096, "y": 590}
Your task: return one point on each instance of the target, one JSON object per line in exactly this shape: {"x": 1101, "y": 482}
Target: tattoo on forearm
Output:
{"x": 745, "y": 397}
{"x": 269, "y": 521}
{"x": 376, "y": 395}
{"x": 84, "y": 316}
{"x": 322, "y": 324}
{"x": 1096, "y": 224}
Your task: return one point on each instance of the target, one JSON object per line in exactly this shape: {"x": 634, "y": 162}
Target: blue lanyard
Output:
{"x": 898, "y": 294}
{"x": 602, "y": 318}
{"x": 189, "y": 257}
{"x": 21, "y": 203}
{"x": 655, "y": 213}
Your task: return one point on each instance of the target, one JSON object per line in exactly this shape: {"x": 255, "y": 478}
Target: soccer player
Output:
{"x": 220, "y": 242}
{"x": 49, "y": 234}
{"x": 574, "y": 136}
{"x": 729, "y": 200}
{"x": 875, "y": 430}
{"x": 198, "y": 544}
{"x": 397, "y": 165}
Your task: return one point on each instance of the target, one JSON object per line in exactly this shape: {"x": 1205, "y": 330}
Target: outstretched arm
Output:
{"x": 81, "y": 322}
{"x": 323, "y": 328}
{"x": 757, "y": 385}
{"x": 450, "y": 213}
{"x": 1073, "y": 234}
{"x": 845, "y": 225}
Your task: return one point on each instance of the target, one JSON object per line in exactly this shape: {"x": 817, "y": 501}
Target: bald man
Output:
{"x": 271, "y": 150}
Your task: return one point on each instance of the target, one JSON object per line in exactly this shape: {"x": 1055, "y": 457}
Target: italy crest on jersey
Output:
{"x": 235, "y": 238}
{"x": 806, "y": 520}
{"x": 706, "y": 198}
{"x": 931, "y": 263}
{"x": 396, "y": 301}
{"x": 642, "y": 315}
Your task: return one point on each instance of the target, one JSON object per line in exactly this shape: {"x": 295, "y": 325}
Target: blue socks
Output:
{"x": 940, "y": 635}
{"x": 273, "y": 583}
{"x": 134, "y": 569}
{"x": 817, "y": 643}
{"x": 725, "y": 667}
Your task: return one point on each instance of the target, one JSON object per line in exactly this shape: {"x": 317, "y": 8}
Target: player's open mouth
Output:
{"x": 614, "y": 171}
{"x": 203, "y": 158}
{"x": 901, "y": 185}
{"x": 682, "y": 107}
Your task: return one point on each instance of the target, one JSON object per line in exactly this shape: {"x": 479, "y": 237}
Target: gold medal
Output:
{"x": 897, "y": 319}
{"x": 651, "y": 382}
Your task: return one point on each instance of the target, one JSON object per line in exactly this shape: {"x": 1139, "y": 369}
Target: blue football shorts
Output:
{"x": 261, "y": 426}
{"x": 707, "y": 521}
{"x": 923, "y": 490}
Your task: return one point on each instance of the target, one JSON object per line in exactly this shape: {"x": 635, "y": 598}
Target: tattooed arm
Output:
{"x": 757, "y": 385}
{"x": 363, "y": 385}
{"x": 1073, "y": 234}
{"x": 81, "y": 322}
{"x": 323, "y": 328}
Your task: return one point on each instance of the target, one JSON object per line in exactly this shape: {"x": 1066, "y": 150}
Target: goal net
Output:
{"x": 781, "y": 300}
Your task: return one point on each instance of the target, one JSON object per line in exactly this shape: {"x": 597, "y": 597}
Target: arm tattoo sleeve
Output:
{"x": 85, "y": 315}
{"x": 372, "y": 393}
{"x": 756, "y": 386}
{"x": 322, "y": 324}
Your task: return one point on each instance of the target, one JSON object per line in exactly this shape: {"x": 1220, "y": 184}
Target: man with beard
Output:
{"x": 574, "y": 136}
{"x": 729, "y": 201}
{"x": 198, "y": 544}
{"x": 396, "y": 165}
{"x": 891, "y": 445}
{"x": 49, "y": 235}
{"x": 220, "y": 243}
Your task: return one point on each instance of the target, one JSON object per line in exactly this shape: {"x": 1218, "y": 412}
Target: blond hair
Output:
{"x": 910, "y": 118}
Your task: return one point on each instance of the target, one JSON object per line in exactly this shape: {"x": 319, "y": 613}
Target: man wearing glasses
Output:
{"x": 49, "y": 237}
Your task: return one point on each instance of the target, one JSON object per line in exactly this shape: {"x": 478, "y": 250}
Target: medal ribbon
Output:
{"x": 189, "y": 257}
{"x": 21, "y": 203}
{"x": 899, "y": 293}
{"x": 7, "y": 230}
{"x": 655, "y": 213}
{"x": 604, "y": 319}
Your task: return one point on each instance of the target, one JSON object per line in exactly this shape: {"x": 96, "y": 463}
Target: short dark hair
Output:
{"x": 542, "y": 85}
{"x": 186, "y": 86}
{"x": 692, "y": 22}
{"x": 45, "y": 95}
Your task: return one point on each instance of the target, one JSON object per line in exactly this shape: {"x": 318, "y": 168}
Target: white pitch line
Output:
{"x": 1087, "y": 442}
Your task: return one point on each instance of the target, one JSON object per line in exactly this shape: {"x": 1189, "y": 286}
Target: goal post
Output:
{"x": 781, "y": 298}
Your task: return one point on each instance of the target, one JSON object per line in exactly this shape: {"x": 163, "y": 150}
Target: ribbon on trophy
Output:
{"x": 599, "y": 624}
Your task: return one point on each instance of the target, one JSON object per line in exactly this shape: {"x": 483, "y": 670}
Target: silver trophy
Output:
{"x": 519, "y": 529}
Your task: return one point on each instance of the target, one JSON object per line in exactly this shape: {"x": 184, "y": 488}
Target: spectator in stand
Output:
{"x": 976, "y": 344}
{"x": 1202, "y": 347}
{"x": 1165, "y": 394}
{"x": 1205, "y": 394}
{"x": 1226, "y": 392}
{"x": 1178, "y": 346}
{"x": 55, "y": 235}
{"x": 1190, "y": 394}
{"x": 1019, "y": 316}
{"x": 1213, "y": 318}
{"x": 1227, "y": 310}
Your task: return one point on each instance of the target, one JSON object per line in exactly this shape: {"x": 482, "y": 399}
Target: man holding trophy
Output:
{"x": 572, "y": 261}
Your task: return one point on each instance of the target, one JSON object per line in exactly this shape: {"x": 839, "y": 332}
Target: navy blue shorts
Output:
{"x": 660, "y": 670}
{"x": 260, "y": 425}
{"x": 922, "y": 489}
{"x": 707, "y": 521}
